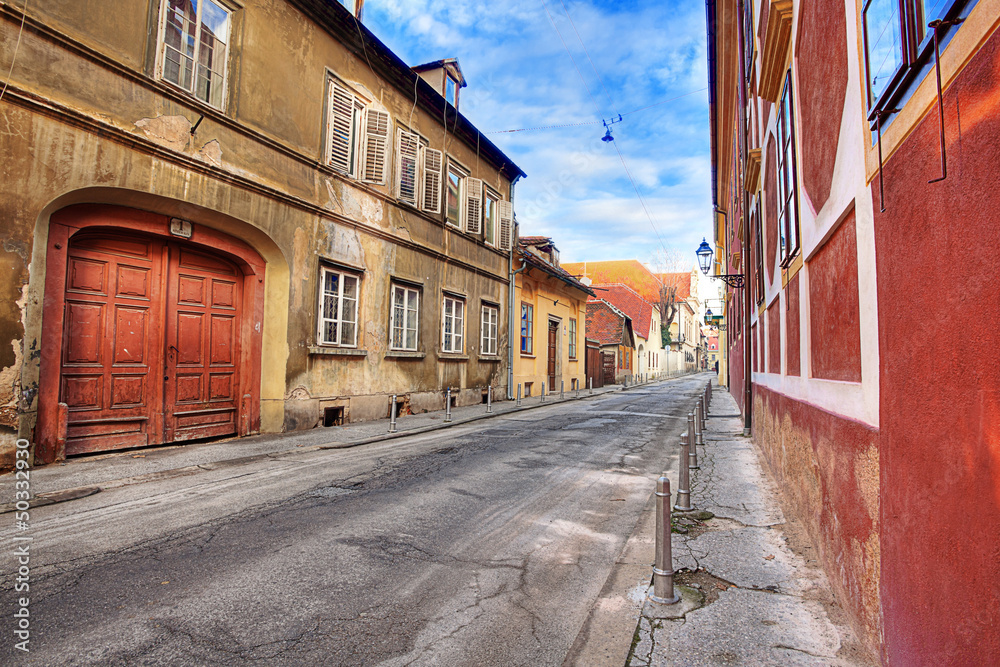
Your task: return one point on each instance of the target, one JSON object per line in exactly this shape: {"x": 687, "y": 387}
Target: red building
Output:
{"x": 854, "y": 187}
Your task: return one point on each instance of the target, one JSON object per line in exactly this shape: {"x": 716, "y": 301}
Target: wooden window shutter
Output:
{"x": 473, "y": 205}
{"x": 407, "y": 152}
{"x": 376, "y": 146}
{"x": 431, "y": 162}
{"x": 339, "y": 127}
{"x": 506, "y": 224}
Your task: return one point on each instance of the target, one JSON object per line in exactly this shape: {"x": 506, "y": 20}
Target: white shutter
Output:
{"x": 407, "y": 148}
{"x": 339, "y": 127}
{"x": 506, "y": 224}
{"x": 473, "y": 205}
{"x": 431, "y": 162}
{"x": 376, "y": 146}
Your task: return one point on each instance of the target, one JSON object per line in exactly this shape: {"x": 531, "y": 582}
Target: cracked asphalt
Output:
{"x": 483, "y": 544}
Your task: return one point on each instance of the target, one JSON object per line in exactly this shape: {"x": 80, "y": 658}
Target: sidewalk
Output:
{"x": 751, "y": 592}
{"x": 80, "y": 477}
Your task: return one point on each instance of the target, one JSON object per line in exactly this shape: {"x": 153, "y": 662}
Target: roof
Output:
{"x": 536, "y": 262}
{"x": 606, "y": 324}
{"x": 629, "y": 302}
{"x": 534, "y": 240}
{"x": 682, "y": 281}
{"x": 630, "y": 272}
{"x": 339, "y": 22}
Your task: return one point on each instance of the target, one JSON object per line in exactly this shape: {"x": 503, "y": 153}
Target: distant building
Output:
{"x": 612, "y": 329}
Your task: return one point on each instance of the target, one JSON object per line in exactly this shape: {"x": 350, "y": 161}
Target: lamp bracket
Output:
{"x": 734, "y": 280}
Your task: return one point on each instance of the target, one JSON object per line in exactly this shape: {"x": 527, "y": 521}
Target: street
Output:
{"x": 486, "y": 543}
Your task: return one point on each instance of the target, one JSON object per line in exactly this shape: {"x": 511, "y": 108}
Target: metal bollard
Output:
{"x": 518, "y": 404}
{"x": 694, "y": 439}
{"x": 663, "y": 570}
{"x": 703, "y": 409}
{"x": 562, "y": 389}
{"x": 489, "y": 399}
{"x": 392, "y": 415}
{"x": 683, "y": 503}
{"x": 590, "y": 384}
{"x": 542, "y": 395}
{"x": 578, "y": 388}
{"x": 447, "y": 405}
{"x": 625, "y": 382}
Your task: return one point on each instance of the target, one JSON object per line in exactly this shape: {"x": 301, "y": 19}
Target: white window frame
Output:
{"x": 411, "y": 303}
{"x": 490, "y": 332}
{"x": 490, "y": 236}
{"x": 453, "y": 314}
{"x": 369, "y": 137}
{"x": 338, "y": 319}
{"x": 462, "y": 174}
{"x": 161, "y": 57}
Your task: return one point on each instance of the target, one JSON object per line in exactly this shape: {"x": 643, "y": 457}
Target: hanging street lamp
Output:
{"x": 705, "y": 254}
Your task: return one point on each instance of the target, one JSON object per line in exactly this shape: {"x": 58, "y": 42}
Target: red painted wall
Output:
{"x": 834, "y": 311}
{"x": 774, "y": 337}
{"x": 736, "y": 374}
{"x": 821, "y": 75}
{"x": 770, "y": 209}
{"x": 755, "y": 350}
{"x": 792, "y": 344}
{"x": 939, "y": 406}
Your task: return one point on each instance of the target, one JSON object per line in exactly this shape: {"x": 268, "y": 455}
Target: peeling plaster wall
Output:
{"x": 253, "y": 171}
{"x": 828, "y": 468}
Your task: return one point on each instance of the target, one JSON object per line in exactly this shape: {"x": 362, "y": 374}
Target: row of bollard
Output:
{"x": 663, "y": 570}
{"x": 489, "y": 400}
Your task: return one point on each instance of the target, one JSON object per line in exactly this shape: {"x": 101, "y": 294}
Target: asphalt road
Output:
{"x": 483, "y": 544}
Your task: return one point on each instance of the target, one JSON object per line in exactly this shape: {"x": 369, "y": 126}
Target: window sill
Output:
{"x": 489, "y": 359}
{"x": 527, "y": 356}
{"x": 404, "y": 354}
{"x": 452, "y": 356}
{"x": 337, "y": 351}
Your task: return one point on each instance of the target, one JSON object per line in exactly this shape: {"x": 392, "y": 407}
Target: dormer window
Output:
{"x": 444, "y": 76}
{"x": 451, "y": 91}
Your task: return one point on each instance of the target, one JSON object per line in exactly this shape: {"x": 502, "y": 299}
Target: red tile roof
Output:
{"x": 629, "y": 272}
{"x": 627, "y": 300}
{"x": 604, "y": 324}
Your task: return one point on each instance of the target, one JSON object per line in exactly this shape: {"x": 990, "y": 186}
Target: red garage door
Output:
{"x": 151, "y": 338}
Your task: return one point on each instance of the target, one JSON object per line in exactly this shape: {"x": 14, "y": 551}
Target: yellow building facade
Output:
{"x": 549, "y": 347}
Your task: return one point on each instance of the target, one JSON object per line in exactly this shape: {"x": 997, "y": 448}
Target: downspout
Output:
{"x": 510, "y": 297}
{"x": 745, "y": 246}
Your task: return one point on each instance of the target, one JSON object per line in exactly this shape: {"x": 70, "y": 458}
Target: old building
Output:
{"x": 612, "y": 329}
{"x": 645, "y": 325}
{"x": 228, "y": 218}
{"x": 854, "y": 149}
{"x": 553, "y": 307}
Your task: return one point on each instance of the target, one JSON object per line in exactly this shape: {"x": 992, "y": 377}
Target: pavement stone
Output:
{"x": 762, "y": 600}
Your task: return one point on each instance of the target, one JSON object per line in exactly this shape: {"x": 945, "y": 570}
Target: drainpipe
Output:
{"x": 510, "y": 298}
{"x": 512, "y": 323}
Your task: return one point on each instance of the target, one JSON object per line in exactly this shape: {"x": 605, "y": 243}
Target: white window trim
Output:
{"x": 320, "y": 320}
{"x": 392, "y": 316}
{"x": 462, "y": 192}
{"x": 490, "y": 331}
{"x": 457, "y": 334}
{"x": 492, "y": 195}
{"x": 161, "y": 45}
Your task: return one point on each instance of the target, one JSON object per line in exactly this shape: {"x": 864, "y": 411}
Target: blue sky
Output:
{"x": 520, "y": 76}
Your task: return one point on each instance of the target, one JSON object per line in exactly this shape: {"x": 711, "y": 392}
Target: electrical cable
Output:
{"x": 13, "y": 59}
{"x": 587, "y": 53}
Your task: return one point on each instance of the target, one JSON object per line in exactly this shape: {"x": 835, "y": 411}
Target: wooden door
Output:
{"x": 151, "y": 343}
{"x": 111, "y": 352}
{"x": 609, "y": 367}
{"x": 203, "y": 340}
{"x": 553, "y": 344}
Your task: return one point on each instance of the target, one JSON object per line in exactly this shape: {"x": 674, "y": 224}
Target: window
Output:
{"x": 491, "y": 319}
{"x": 491, "y": 205}
{"x": 572, "y": 338}
{"x": 194, "y": 47}
{"x": 338, "y": 308}
{"x": 455, "y": 196}
{"x": 451, "y": 91}
{"x": 452, "y": 324}
{"x": 473, "y": 205}
{"x": 758, "y": 252}
{"x": 788, "y": 196}
{"x": 357, "y": 135}
{"x": 527, "y": 328}
{"x": 897, "y": 40}
{"x": 405, "y": 317}
{"x": 407, "y": 155}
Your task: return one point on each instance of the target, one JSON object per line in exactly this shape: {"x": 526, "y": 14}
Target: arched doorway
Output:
{"x": 151, "y": 332}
